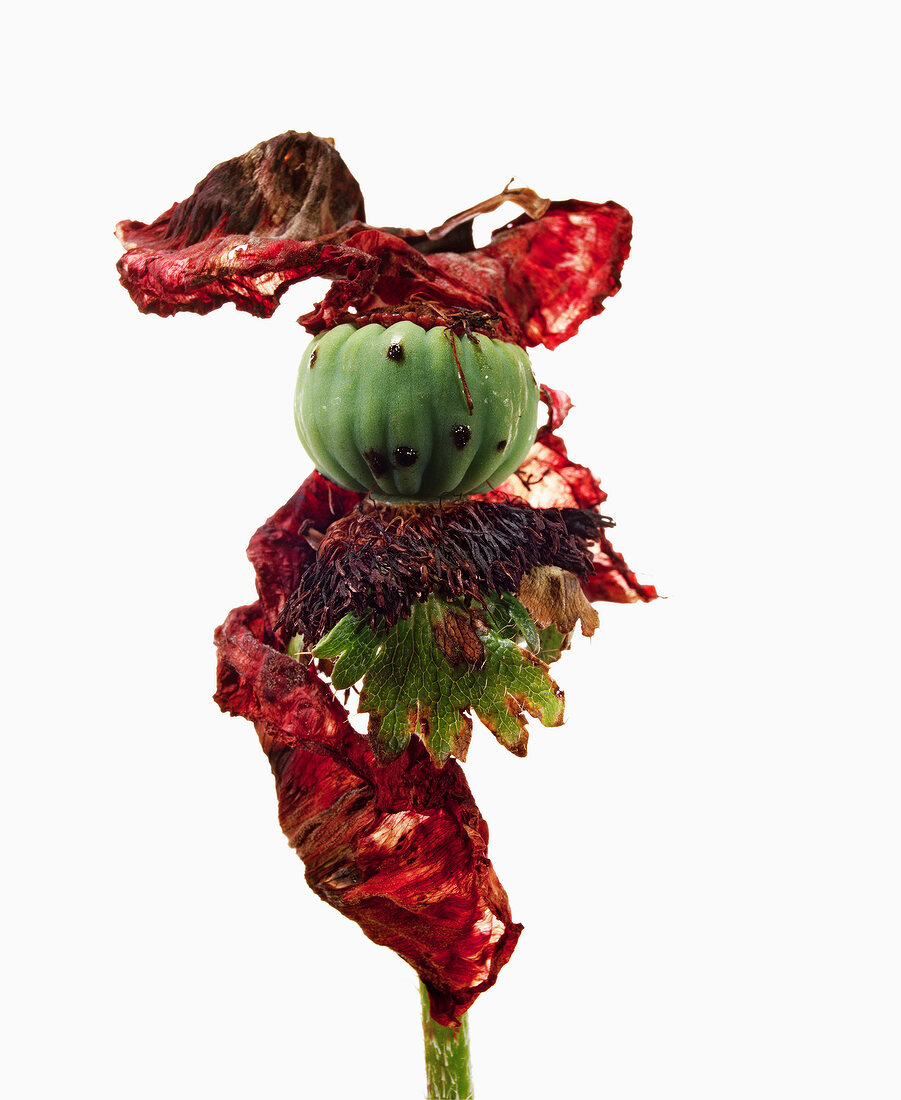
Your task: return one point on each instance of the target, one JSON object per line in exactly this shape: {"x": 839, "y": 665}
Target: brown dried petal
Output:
{"x": 554, "y": 597}
{"x": 530, "y": 201}
{"x": 294, "y": 186}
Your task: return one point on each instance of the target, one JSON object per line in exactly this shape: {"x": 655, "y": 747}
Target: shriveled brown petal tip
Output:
{"x": 294, "y": 186}
{"x": 554, "y": 597}
{"x": 530, "y": 201}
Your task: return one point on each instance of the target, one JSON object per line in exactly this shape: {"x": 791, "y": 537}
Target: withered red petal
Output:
{"x": 558, "y": 405}
{"x": 289, "y": 210}
{"x": 552, "y": 273}
{"x": 550, "y": 479}
{"x": 283, "y": 547}
{"x": 612, "y": 579}
{"x": 401, "y": 849}
{"x": 250, "y": 272}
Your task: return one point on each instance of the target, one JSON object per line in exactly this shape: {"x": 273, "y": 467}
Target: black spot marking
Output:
{"x": 461, "y": 434}
{"x": 405, "y": 456}
{"x": 502, "y": 444}
{"x": 377, "y": 462}
{"x": 313, "y": 355}
{"x": 396, "y": 351}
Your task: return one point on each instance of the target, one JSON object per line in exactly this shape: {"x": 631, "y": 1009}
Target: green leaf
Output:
{"x": 521, "y": 620}
{"x": 416, "y": 681}
{"x": 553, "y": 643}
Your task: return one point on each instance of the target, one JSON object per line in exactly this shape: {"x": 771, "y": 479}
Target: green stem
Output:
{"x": 447, "y": 1068}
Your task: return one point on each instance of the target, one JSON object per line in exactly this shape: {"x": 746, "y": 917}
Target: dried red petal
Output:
{"x": 553, "y": 273}
{"x": 612, "y": 579}
{"x": 550, "y": 479}
{"x": 250, "y": 272}
{"x": 400, "y": 849}
{"x": 558, "y": 406}
{"x": 289, "y": 210}
{"x": 283, "y": 547}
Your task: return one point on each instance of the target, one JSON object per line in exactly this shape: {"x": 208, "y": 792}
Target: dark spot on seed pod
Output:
{"x": 405, "y": 456}
{"x": 502, "y": 444}
{"x": 313, "y": 355}
{"x": 396, "y": 351}
{"x": 461, "y": 434}
{"x": 377, "y": 462}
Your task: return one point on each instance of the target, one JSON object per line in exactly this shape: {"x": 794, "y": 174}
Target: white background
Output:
{"x": 705, "y": 856}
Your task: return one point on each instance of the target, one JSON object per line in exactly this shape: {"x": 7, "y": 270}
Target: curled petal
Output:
{"x": 558, "y": 405}
{"x": 287, "y": 701}
{"x": 400, "y": 849}
{"x": 289, "y": 210}
{"x": 251, "y": 272}
{"x": 553, "y": 273}
{"x": 612, "y": 580}
{"x": 533, "y": 204}
{"x": 401, "y": 284}
{"x": 294, "y": 186}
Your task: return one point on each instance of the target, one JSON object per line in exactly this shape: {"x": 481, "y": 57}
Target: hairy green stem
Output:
{"x": 447, "y": 1068}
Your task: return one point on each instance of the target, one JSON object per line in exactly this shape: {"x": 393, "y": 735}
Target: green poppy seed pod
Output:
{"x": 414, "y": 414}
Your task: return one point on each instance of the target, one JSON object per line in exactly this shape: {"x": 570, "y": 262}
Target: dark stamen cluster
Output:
{"x": 381, "y": 559}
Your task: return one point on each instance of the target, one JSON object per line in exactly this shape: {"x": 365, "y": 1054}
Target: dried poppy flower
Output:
{"x": 447, "y": 554}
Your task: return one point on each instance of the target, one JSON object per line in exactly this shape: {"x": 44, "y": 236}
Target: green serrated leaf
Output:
{"x": 389, "y": 733}
{"x": 356, "y": 661}
{"x": 411, "y": 686}
{"x": 356, "y": 646}
{"x": 342, "y": 636}
{"x": 522, "y": 620}
{"x": 515, "y": 681}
